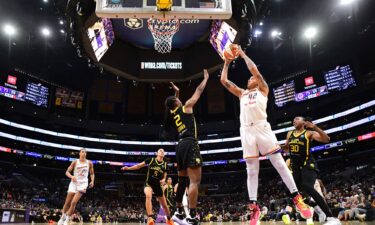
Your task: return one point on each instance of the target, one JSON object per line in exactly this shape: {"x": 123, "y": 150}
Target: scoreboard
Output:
{"x": 37, "y": 94}
{"x": 284, "y": 93}
{"x": 25, "y": 89}
{"x": 340, "y": 78}
{"x": 313, "y": 86}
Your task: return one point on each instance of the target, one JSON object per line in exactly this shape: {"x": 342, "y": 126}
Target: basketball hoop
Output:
{"x": 163, "y": 30}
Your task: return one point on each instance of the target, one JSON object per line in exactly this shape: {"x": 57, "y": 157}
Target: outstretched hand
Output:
{"x": 174, "y": 86}
{"x": 227, "y": 61}
{"x": 240, "y": 51}
{"x": 310, "y": 125}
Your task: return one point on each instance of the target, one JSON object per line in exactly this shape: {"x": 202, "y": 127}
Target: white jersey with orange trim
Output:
{"x": 256, "y": 133}
{"x": 253, "y": 106}
{"x": 81, "y": 170}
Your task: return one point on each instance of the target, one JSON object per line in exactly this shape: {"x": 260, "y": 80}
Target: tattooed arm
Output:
{"x": 229, "y": 85}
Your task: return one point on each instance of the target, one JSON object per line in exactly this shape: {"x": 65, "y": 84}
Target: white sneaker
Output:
{"x": 66, "y": 221}
{"x": 332, "y": 221}
{"x": 61, "y": 220}
{"x": 179, "y": 218}
{"x": 309, "y": 221}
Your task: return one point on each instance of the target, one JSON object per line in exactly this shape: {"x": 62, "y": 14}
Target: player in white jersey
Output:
{"x": 78, "y": 185}
{"x": 257, "y": 136}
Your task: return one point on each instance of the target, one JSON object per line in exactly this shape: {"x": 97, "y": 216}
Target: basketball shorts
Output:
{"x": 258, "y": 137}
{"x": 79, "y": 186}
{"x": 188, "y": 154}
{"x": 156, "y": 187}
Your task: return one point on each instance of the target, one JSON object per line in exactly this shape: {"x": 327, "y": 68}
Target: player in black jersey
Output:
{"x": 303, "y": 164}
{"x": 180, "y": 117}
{"x": 169, "y": 194}
{"x": 155, "y": 178}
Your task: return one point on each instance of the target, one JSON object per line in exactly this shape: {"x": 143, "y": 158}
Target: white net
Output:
{"x": 163, "y": 30}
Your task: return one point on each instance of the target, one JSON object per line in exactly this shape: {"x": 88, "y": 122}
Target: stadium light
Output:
{"x": 275, "y": 33}
{"x": 346, "y": 2}
{"x": 261, "y": 24}
{"x": 9, "y": 30}
{"x": 257, "y": 33}
{"x": 310, "y": 32}
{"x": 46, "y": 32}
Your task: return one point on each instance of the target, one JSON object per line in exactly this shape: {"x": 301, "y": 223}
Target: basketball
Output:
{"x": 231, "y": 52}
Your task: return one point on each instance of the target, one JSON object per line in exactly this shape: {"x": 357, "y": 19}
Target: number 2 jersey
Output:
{"x": 184, "y": 123}
{"x": 299, "y": 150}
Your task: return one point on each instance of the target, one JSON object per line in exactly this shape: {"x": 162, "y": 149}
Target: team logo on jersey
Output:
{"x": 133, "y": 23}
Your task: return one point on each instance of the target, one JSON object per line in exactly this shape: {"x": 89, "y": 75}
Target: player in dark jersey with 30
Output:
{"x": 303, "y": 164}
{"x": 169, "y": 194}
{"x": 155, "y": 178}
{"x": 189, "y": 160}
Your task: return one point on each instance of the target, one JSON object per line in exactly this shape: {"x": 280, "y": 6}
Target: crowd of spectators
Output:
{"x": 350, "y": 193}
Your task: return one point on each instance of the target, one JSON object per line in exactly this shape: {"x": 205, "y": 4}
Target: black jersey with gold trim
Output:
{"x": 155, "y": 169}
{"x": 299, "y": 149}
{"x": 184, "y": 123}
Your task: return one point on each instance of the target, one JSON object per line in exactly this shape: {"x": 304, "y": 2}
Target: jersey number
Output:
{"x": 177, "y": 120}
{"x": 294, "y": 148}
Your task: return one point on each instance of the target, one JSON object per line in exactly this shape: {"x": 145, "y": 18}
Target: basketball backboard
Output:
{"x": 182, "y": 9}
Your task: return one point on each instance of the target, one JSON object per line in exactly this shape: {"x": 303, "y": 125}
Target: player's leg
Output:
{"x": 195, "y": 175}
{"x": 252, "y": 169}
{"x": 268, "y": 145}
{"x": 66, "y": 206}
{"x": 183, "y": 179}
{"x": 251, "y": 155}
{"x": 308, "y": 179}
{"x": 148, "y": 205}
{"x": 165, "y": 207}
{"x": 185, "y": 202}
{"x": 193, "y": 161}
{"x": 77, "y": 196}
{"x": 183, "y": 182}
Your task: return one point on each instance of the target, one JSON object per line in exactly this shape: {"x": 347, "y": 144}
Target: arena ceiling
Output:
{"x": 343, "y": 30}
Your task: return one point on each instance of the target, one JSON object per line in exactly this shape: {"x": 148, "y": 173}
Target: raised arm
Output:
{"x": 68, "y": 172}
{"x": 317, "y": 134}
{"x": 176, "y": 89}
{"x": 229, "y": 85}
{"x": 197, "y": 94}
{"x": 92, "y": 174}
{"x": 263, "y": 86}
{"x": 135, "y": 167}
